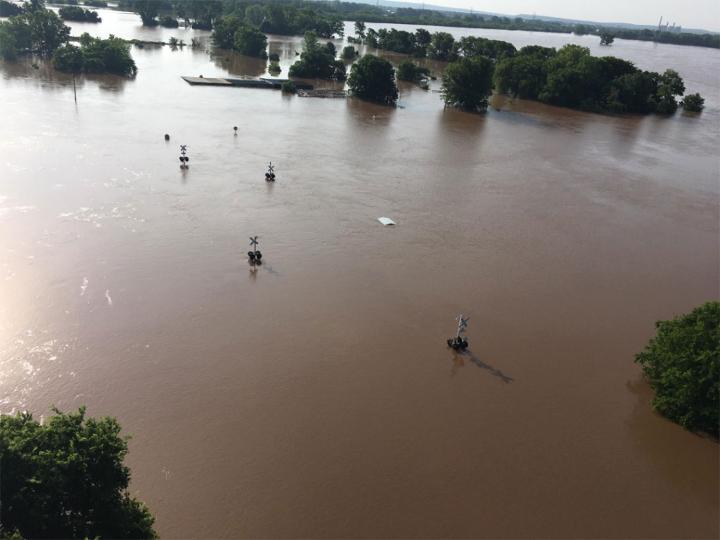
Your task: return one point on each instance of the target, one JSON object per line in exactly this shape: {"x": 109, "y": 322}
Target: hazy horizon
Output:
{"x": 704, "y": 14}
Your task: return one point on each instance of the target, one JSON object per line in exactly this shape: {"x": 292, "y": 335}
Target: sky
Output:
{"x": 688, "y": 13}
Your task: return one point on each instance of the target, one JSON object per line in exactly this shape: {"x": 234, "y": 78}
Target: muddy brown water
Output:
{"x": 316, "y": 397}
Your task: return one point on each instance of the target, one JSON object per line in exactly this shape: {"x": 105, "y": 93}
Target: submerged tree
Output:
{"x": 682, "y": 364}
{"x": 250, "y": 41}
{"x": 95, "y": 55}
{"x": 318, "y": 61}
{"x": 373, "y": 78}
{"x": 606, "y": 38}
{"x": 411, "y": 72}
{"x": 693, "y": 103}
{"x": 467, "y": 83}
{"x": 65, "y": 478}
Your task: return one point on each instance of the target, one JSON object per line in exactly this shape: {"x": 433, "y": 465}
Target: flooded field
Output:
{"x": 316, "y": 397}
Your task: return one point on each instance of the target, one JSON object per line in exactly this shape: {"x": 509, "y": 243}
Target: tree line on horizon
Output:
{"x": 295, "y": 17}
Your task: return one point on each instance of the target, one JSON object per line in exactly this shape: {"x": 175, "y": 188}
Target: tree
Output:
{"x": 467, "y": 83}
{"x": 408, "y": 71}
{"x": 360, "y": 30}
{"x": 254, "y": 15}
{"x": 523, "y": 76}
{"x": 65, "y": 478}
{"x": 442, "y": 46}
{"x": 693, "y": 103}
{"x": 75, "y": 13}
{"x": 682, "y": 365}
{"x": 148, "y": 11}
{"x": 250, "y": 42}
{"x": 606, "y": 38}
{"x": 670, "y": 85}
{"x": 224, "y": 32}
{"x": 317, "y": 62}
{"x": 8, "y": 9}
{"x": 373, "y": 78}
{"x": 95, "y": 55}
{"x": 42, "y": 29}
{"x": 349, "y": 53}
{"x": 422, "y": 38}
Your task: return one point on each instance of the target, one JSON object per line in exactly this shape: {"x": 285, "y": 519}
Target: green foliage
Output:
{"x": 360, "y": 30}
{"x": 373, "y": 78}
{"x": 422, "y": 38}
{"x": 317, "y": 62}
{"x": 169, "y": 22}
{"x": 606, "y": 38}
{"x": 394, "y": 40}
{"x": 148, "y": 11}
{"x": 682, "y": 364}
{"x": 95, "y": 55}
{"x": 224, "y": 33}
{"x": 75, "y": 13}
{"x": 693, "y": 103}
{"x": 40, "y": 31}
{"x": 409, "y": 71}
{"x": 282, "y": 18}
{"x": 8, "y": 9}
{"x": 467, "y": 83}
{"x": 274, "y": 57}
{"x": 523, "y": 75}
{"x": 66, "y": 479}
{"x": 288, "y": 87}
{"x": 250, "y": 41}
{"x": 670, "y": 84}
{"x": 274, "y": 68}
{"x": 442, "y": 47}
{"x": 254, "y": 15}
{"x": 571, "y": 77}
{"x": 349, "y": 53}
{"x": 476, "y": 46}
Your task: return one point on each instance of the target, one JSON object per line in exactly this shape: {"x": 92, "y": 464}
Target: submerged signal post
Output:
{"x": 183, "y": 158}
{"x": 254, "y": 255}
{"x": 458, "y": 342}
{"x": 270, "y": 174}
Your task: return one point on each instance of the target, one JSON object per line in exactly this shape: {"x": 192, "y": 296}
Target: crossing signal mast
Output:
{"x": 254, "y": 255}
{"x": 458, "y": 342}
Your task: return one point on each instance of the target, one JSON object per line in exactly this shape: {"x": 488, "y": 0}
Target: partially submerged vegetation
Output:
{"x": 75, "y": 13}
{"x": 325, "y": 19}
{"x": 373, "y": 78}
{"x": 40, "y": 31}
{"x": 232, "y": 33}
{"x": 568, "y": 77}
{"x": 682, "y": 365}
{"x": 318, "y": 61}
{"x": 572, "y": 77}
{"x": 95, "y": 55}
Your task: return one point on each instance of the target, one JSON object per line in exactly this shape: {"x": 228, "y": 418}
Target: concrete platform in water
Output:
{"x": 243, "y": 83}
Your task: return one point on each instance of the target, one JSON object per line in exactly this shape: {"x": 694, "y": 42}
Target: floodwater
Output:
{"x": 315, "y": 397}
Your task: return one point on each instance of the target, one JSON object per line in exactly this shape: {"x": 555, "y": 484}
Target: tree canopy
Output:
{"x": 95, "y": 55}
{"x": 682, "y": 364}
{"x": 571, "y": 77}
{"x": 231, "y": 32}
{"x": 318, "y": 61}
{"x": 693, "y": 103}
{"x": 373, "y": 78}
{"x": 76, "y": 13}
{"x": 65, "y": 478}
{"x": 411, "y": 72}
{"x": 606, "y": 38}
{"x": 38, "y": 31}
{"x": 250, "y": 41}
{"x": 467, "y": 83}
